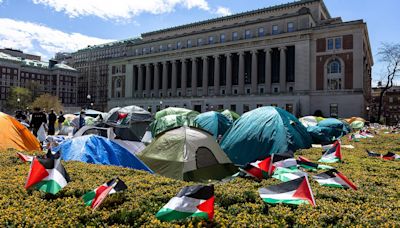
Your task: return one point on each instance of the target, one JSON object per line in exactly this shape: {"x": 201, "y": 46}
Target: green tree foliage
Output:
{"x": 48, "y": 102}
{"x": 19, "y": 98}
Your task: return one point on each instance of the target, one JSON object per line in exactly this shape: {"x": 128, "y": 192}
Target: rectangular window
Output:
{"x": 261, "y": 31}
{"x": 210, "y": 40}
{"x": 275, "y": 29}
{"x": 136, "y": 51}
{"x": 189, "y": 43}
{"x": 161, "y": 48}
{"x": 144, "y": 50}
{"x": 290, "y": 27}
{"x": 222, "y": 38}
{"x": 178, "y": 45}
{"x": 235, "y": 36}
{"x": 169, "y": 46}
{"x": 233, "y": 107}
{"x": 334, "y": 110}
{"x": 247, "y": 34}
{"x": 152, "y": 50}
{"x": 199, "y": 41}
{"x": 338, "y": 43}
{"x": 330, "y": 44}
{"x": 289, "y": 108}
{"x": 246, "y": 108}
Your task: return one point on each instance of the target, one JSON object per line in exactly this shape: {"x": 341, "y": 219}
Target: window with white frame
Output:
{"x": 330, "y": 44}
{"x": 290, "y": 27}
{"x": 222, "y": 38}
{"x": 275, "y": 29}
{"x": 338, "y": 43}
{"x": 261, "y": 31}
{"x": 247, "y": 34}
{"x": 334, "y": 75}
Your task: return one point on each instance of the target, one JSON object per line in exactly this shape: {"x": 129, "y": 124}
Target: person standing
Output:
{"x": 38, "y": 118}
{"x": 52, "y": 122}
{"x": 79, "y": 121}
{"x": 61, "y": 120}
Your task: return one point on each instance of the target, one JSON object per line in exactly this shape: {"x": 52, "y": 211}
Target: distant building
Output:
{"x": 49, "y": 77}
{"x": 295, "y": 56}
{"x": 18, "y": 53}
{"x": 390, "y": 106}
{"x": 63, "y": 57}
{"x": 92, "y": 64}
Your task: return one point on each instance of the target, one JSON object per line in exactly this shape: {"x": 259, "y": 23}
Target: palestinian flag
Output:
{"x": 258, "y": 169}
{"x": 47, "y": 174}
{"x": 191, "y": 201}
{"x": 334, "y": 178}
{"x": 311, "y": 166}
{"x": 286, "y": 174}
{"x": 95, "y": 198}
{"x": 281, "y": 160}
{"x": 122, "y": 118}
{"x": 332, "y": 154}
{"x": 297, "y": 191}
{"x": 25, "y": 158}
{"x": 373, "y": 154}
{"x": 391, "y": 156}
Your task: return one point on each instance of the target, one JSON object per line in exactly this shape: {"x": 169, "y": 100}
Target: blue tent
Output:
{"x": 264, "y": 131}
{"x": 329, "y": 128}
{"x": 321, "y": 135}
{"x": 99, "y": 150}
{"x": 213, "y": 122}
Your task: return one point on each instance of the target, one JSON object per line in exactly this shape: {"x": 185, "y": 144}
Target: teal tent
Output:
{"x": 262, "y": 132}
{"x": 213, "y": 122}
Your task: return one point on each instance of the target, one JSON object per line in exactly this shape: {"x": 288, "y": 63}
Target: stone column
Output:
{"x": 148, "y": 81}
{"x": 254, "y": 71}
{"x": 165, "y": 78}
{"x": 282, "y": 70}
{"x": 184, "y": 77}
{"x": 156, "y": 79}
{"x": 228, "y": 74}
{"x": 129, "y": 89}
{"x": 268, "y": 70}
{"x": 205, "y": 76}
{"x": 216, "y": 74}
{"x": 174, "y": 78}
{"x": 140, "y": 81}
{"x": 241, "y": 73}
{"x": 194, "y": 77}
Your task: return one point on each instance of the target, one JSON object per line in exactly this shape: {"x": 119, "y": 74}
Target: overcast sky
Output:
{"x": 45, "y": 27}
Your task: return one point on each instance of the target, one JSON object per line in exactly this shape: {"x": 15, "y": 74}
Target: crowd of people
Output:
{"x": 34, "y": 120}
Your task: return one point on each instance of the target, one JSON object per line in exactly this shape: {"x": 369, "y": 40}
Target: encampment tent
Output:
{"x": 230, "y": 114}
{"x": 356, "y": 123}
{"x": 262, "y": 132}
{"x": 308, "y": 121}
{"x": 99, "y": 150}
{"x": 16, "y": 136}
{"x": 189, "y": 154}
{"x": 328, "y": 130}
{"x": 213, "y": 122}
{"x": 175, "y": 111}
{"x": 167, "y": 122}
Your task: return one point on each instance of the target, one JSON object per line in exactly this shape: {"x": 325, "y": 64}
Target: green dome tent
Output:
{"x": 175, "y": 111}
{"x": 188, "y": 154}
{"x": 213, "y": 122}
{"x": 230, "y": 114}
{"x": 262, "y": 132}
{"x": 172, "y": 121}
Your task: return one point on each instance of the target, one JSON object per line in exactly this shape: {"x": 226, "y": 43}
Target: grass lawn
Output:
{"x": 376, "y": 203}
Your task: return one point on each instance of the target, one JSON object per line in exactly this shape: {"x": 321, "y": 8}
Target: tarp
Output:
{"x": 356, "y": 123}
{"x": 230, "y": 114}
{"x": 90, "y": 112}
{"x": 175, "y": 111}
{"x": 214, "y": 122}
{"x": 262, "y": 132}
{"x": 99, "y": 150}
{"x": 16, "y": 136}
{"x": 168, "y": 122}
{"x": 189, "y": 154}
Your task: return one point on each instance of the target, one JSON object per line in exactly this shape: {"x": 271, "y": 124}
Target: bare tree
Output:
{"x": 390, "y": 55}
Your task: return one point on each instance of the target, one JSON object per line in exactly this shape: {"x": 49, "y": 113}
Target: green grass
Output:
{"x": 376, "y": 203}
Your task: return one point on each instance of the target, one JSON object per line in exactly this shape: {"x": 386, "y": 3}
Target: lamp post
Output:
{"x": 161, "y": 105}
{"x": 367, "y": 108}
{"x": 18, "y": 101}
{"x": 88, "y": 100}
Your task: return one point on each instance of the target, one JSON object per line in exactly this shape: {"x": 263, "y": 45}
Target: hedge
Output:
{"x": 376, "y": 203}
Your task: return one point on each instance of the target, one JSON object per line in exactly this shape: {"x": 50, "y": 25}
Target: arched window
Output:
{"x": 334, "y": 67}
{"x": 118, "y": 83}
{"x": 334, "y": 75}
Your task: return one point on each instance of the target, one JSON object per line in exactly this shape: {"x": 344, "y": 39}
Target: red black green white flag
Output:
{"x": 258, "y": 169}
{"x": 333, "y": 178}
{"x": 288, "y": 174}
{"x": 311, "y": 166}
{"x": 281, "y": 160}
{"x": 47, "y": 175}
{"x": 332, "y": 154}
{"x": 95, "y": 197}
{"x": 25, "y": 158}
{"x": 297, "y": 191}
{"x": 191, "y": 201}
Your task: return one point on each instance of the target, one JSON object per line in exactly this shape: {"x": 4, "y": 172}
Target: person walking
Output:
{"x": 61, "y": 120}
{"x": 38, "y": 118}
{"x": 52, "y": 122}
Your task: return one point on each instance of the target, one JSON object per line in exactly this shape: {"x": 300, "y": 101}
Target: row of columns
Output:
{"x": 146, "y": 72}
